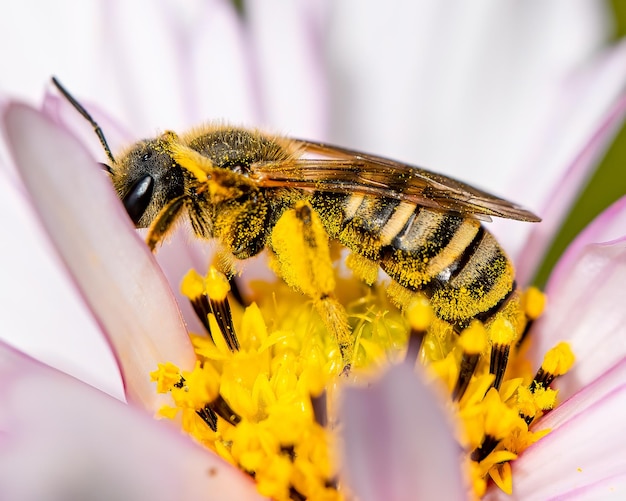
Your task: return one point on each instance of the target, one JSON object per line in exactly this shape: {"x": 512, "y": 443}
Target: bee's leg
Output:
{"x": 164, "y": 221}
{"x": 191, "y": 160}
{"x": 303, "y": 261}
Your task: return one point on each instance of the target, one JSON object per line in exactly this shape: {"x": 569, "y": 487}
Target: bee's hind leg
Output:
{"x": 300, "y": 243}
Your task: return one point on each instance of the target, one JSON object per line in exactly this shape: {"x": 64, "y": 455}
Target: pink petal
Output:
{"x": 63, "y": 113}
{"x": 179, "y": 253}
{"x": 586, "y": 452}
{"x": 599, "y": 400}
{"x": 583, "y": 400}
{"x": 591, "y": 319}
{"x": 606, "y": 488}
{"x": 398, "y": 443}
{"x": 112, "y": 267}
{"x": 586, "y": 302}
{"x": 43, "y": 313}
{"x": 61, "y": 439}
{"x": 609, "y": 226}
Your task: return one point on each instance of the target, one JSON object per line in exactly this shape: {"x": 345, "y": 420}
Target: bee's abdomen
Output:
{"x": 452, "y": 259}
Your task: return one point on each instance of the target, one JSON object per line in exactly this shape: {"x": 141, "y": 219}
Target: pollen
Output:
{"x": 262, "y": 394}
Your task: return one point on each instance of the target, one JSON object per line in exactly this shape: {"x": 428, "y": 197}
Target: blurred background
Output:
{"x": 608, "y": 183}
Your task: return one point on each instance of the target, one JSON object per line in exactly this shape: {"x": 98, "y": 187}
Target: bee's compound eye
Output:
{"x": 138, "y": 198}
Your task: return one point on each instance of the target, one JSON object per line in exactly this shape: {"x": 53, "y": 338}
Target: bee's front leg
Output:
{"x": 300, "y": 243}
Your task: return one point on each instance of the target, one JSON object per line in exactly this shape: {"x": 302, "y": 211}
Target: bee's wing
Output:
{"x": 347, "y": 171}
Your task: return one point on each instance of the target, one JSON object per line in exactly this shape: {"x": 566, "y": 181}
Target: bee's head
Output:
{"x": 146, "y": 178}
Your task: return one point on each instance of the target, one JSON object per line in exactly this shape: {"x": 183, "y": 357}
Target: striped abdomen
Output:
{"x": 454, "y": 260}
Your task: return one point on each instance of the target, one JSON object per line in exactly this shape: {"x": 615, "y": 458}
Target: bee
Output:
{"x": 253, "y": 191}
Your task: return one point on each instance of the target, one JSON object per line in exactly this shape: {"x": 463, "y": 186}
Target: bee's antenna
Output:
{"x": 84, "y": 113}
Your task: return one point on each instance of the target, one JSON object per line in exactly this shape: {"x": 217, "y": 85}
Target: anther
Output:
{"x": 217, "y": 288}
{"x": 488, "y": 445}
{"x": 419, "y": 314}
{"x": 236, "y": 291}
{"x": 472, "y": 341}
{"x": 502, "y": 335}
{"x": 202, "y": 309}
{"x": 223, "y": 410}
{"x": 498, "y": 363}
{"x": 193, "y": 287}
{"x": 468, "y": 366}
{"x": 289, "y": 451}
{"x": 533, "y": 303}
{"x": 208, "y": 416}
{"x": 224, "y": 318}
{"x": 556, "y": 362}
{"x": 296, "y": 495}
{"x": 209, "y": 296}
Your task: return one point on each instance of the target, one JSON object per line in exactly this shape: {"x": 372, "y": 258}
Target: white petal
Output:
{"x": 60, "y": 440}
{"x": 589, "y": 116}
{"x": 112, "y": 267}
{"x": 221, "y": 68}
{"x": 145, "y": 46}
{"x": 452, "y": 86}
{"x": 397, "y": 442}
{"x": 492, "y": 93}
{"x": 55, "y": 43}
{"x": 43, "y": 313}
{"x": 290, "y": 73}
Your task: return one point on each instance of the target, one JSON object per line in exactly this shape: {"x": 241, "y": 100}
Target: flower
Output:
{"x": 112, "y": 314}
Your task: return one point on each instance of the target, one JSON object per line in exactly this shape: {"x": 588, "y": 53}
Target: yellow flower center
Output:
{"x": 263, "y": 391}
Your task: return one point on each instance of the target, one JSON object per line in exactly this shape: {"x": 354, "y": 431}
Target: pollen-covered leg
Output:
{"x": 303, "y": 261}
{"x": 164, "y": 221}
{"x": 362, "y": 267}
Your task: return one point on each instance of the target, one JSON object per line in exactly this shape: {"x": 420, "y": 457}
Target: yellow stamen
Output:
{"x": 473, "y": 340}
{"x": 269, "y": 406}
{"x": 558, "y": 360}
{"x": 217, "y": 285}
{"x": 419, "y": 313}
{"x": 533, "y": 303}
